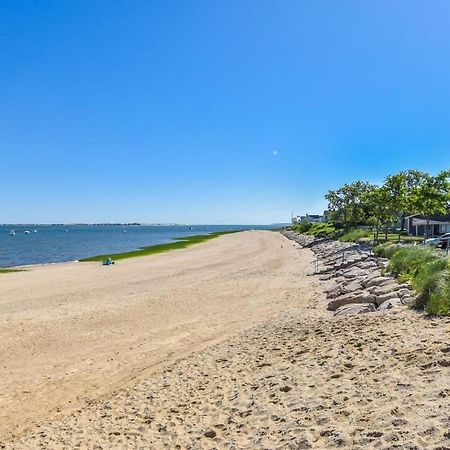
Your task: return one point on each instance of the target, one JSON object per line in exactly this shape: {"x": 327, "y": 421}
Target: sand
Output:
{"x": 223, "y": 345}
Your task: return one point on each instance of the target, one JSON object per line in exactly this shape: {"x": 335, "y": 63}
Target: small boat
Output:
{"x": 67, "y": 231}
{"x": 27, "y": 231}
{"x": 34, "y": 231}
{"x": 125, "y": 231}
{"x": 12, "y": 233}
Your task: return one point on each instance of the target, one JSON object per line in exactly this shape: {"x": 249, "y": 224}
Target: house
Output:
{"x": 311, "y": 218}
{"x": 421, "y": 225}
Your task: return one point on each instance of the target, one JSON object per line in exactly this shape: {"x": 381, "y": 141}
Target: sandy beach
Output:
{"x": 227, "y": 344}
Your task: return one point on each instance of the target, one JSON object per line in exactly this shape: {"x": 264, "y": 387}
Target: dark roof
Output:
{"x": 434, "y": 218}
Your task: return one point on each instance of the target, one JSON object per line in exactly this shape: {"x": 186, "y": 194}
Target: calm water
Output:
{"x": 52, "y": 244}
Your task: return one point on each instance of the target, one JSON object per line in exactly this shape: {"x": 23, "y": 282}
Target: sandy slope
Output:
{"x": 72, "y": 332}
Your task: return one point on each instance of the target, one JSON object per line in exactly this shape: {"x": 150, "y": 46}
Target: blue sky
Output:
{"x": 214, "y": 111}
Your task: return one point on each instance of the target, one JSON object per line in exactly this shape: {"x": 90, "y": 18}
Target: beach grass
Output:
{"x": 179, "y": 243}
{"x": 10, "y": 270}
{"x": 428, "y": 271}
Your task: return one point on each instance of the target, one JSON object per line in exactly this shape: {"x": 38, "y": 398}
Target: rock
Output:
{"x": 359, "y": 308}
{"x": 338, "y": 290}
{"x": 347, "y": 299}
{"x": 352, "y": 287}
{"x": 285, "y": 389}
{"x": 210, "y": 434}
{"x": 376, "y": 281}
{"x": 354, "y": 272}
{"x": 384, "y": 289}
{"x": 325, "y": 277}
{"x": 344, "y": 288}
{"x": 380, "y": 299}
{"x": 367, "y": 264}
{"x": 403, "y": 292}
{"x": 331, "y": 288}
{"x": 392, "y": 303}
{"x": 408, "y": 300}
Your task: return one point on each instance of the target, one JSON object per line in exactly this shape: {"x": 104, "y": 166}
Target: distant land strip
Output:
{"x": 178, "y": 243}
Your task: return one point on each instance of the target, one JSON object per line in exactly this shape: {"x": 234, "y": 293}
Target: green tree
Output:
{"x": 401, "y": 189}
{"x": 348, "y": 205}
{"x": 382, "y": 210}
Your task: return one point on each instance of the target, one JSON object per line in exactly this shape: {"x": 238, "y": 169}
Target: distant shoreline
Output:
{"x": 177, "y": 244}
{"x": 45, "y": 244}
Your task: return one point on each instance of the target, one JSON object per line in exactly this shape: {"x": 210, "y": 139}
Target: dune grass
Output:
{"x": 321, "y": 229}
{"x": 178, "y": 243}
{"x": 355, "y": 235}
{"x": 428, "y": 271}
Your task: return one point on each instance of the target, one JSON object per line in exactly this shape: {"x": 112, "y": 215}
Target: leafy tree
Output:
{"x": 382, "y": 209}
{"x": 402, "y": 194}
{"x": 348, "y": 206}
{"x": 401, "y": 189}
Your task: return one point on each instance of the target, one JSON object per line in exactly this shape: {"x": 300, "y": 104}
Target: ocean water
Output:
{"x": 56, "y": 243}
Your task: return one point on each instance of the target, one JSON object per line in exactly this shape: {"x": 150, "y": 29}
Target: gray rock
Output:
{"x": 377, "y": 281}
{"x": 404, "y": 292}
{"x": 384, "y": 289}
{"x": 331, "y": 288}
{"x": 409, "y": 300}
{"x": 336, "y": 292}
{"x": 392, "y": 303}
{"x": 354, "y": 272}
{"x": 380, "y": 299}
{"x": 359, "y": 308}
{"x": 352, "y": 298}
{"x": 372, "y": 274}
{"x": 352, "y": 287}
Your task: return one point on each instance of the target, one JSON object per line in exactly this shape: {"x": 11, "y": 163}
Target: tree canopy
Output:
{"x": 402, "y": 194}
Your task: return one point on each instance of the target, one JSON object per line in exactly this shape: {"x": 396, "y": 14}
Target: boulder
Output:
{"x": 409, "y": 300}
{"x": 404, "y": 292}
{"x": 325, "y": 277}
{"x": 354, "y": 297}
{"x": 384, "y": 289}
{"x": 336, "y": 292}
{"x": 376, "y": 281}
{"x": 330, "y": 288}
{"x": 380, "y": 299}
{"x": 391, "y": 303}
{"x": 359, "y": 308}
{"x": 352, "y": 287}
{"x": 354, "y": 272}
{"x": 367, "y": 264}
{"x": 372, "y": 274}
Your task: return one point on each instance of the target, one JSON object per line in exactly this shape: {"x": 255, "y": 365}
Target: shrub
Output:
{"x": 439, "y": 298}
{"x": 354, "y": 235}
{"x": 321, "y": 229}
{"x": 408, "y": 260}
{"x": 428, "y": 271}
{"x": 302, "y": 227}
{"x": 385, "y": 250}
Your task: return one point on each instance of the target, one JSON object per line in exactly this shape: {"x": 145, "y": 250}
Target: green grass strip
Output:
{"x": 10, "y": 270}
{"x": 179, "y": 243}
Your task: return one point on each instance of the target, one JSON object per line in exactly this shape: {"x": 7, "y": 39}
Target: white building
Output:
{"x": 311, "y": 218}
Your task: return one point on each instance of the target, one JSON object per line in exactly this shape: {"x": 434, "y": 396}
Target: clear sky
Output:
{"x": 214, "y": 111}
